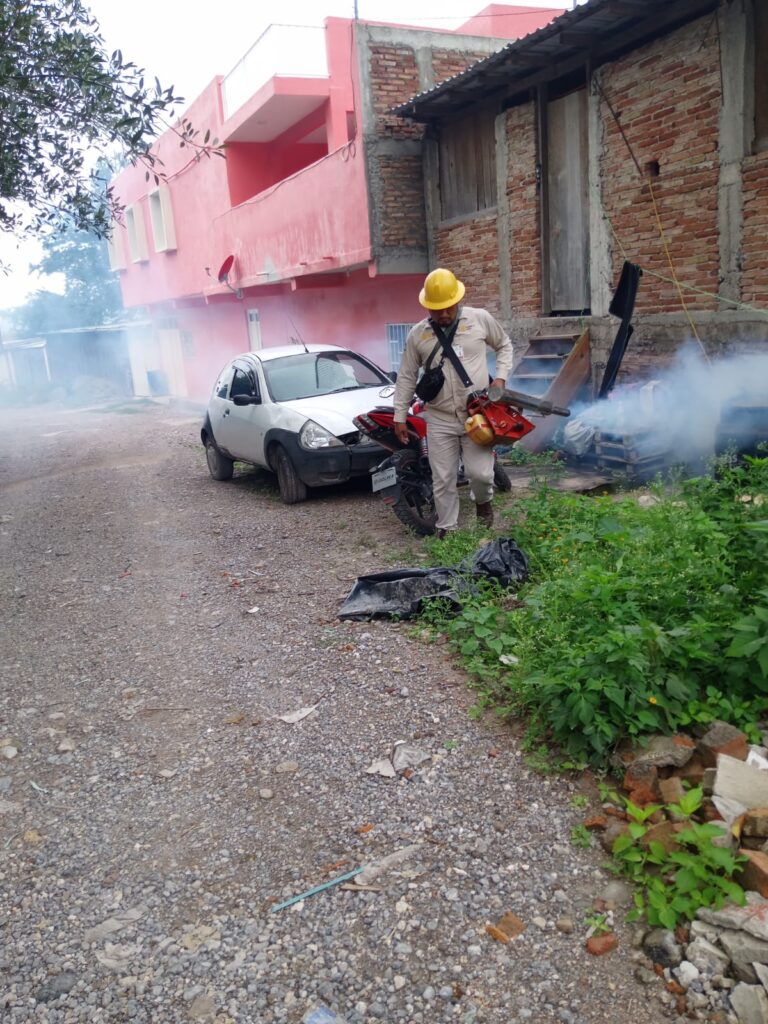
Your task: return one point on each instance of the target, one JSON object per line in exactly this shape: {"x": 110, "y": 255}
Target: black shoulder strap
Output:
{"x": 432, "y": 355}
{"x": 445, "y": 341}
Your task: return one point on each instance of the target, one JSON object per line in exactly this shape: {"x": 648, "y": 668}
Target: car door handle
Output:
{"x": 226, "y": 412}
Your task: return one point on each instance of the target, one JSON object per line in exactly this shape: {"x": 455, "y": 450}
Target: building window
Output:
{"x": 161, "y": 215}
{"x": 137, "y": 236}
{"x": 761, "y": 76}
{"x": 396, "y": 336}
{"x": 116, "y": 249}
{"x": 468, "y": 166}
{"x": 187, "y": 344}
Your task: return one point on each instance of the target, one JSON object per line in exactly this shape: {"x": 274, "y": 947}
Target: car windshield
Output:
{"x": 319, "y": 373}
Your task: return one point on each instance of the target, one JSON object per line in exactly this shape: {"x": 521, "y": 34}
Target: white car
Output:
{"x": 289, "y": 409}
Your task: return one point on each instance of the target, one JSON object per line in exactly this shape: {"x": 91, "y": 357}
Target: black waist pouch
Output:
{"x": 431, "y": 383}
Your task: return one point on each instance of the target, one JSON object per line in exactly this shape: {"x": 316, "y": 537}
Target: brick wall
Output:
{"x": 447, "y": 63}
{"x": 523, "y": 198}
{"x": 667, "y": 96}
{"x": 470, "y": 249}
{"x": 394, "y": 78}
{"x": 754, "y": 281}
{"x": 402, "y": 203}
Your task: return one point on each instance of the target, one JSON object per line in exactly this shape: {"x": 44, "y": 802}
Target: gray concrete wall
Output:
{"x": 403, "y": 259}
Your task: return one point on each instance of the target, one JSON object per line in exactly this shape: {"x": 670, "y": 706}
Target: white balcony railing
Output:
{"x": 294, "y": 51}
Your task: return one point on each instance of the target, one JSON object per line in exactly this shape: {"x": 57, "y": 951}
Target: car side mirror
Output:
{"x": 246, "y": 399}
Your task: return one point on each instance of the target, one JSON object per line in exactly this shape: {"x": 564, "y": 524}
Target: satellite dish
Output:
{"x": 223, "y": 275}
{"x": 225, "y": 268}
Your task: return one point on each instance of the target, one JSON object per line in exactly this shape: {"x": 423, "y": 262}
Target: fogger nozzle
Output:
{"x": 523, "y": 401}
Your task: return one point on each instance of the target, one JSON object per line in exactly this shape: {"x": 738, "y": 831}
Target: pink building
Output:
{"x": 317, "y": 211}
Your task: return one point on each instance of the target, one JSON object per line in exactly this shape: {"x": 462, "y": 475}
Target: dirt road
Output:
{"x": 155, "y": 625}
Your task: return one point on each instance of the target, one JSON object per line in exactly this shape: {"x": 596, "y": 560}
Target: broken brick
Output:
{"x": 754, "y": 874}
{"x": 683, "y": 741}
{"x": 640, "y": 774}
{"x": 598, "y": 945}
{"x": 511, "y": 925}
{"x": 755, "y": 823}
{"x": 597, "y": 823}
{"x": 722, "y": 738}
{"x": 671, "y": 790}
{"x": 693, "y": 771}
{"x": 664, "y": 833}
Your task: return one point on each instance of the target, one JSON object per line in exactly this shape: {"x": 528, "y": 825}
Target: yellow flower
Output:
{"x": 652, "y": 700}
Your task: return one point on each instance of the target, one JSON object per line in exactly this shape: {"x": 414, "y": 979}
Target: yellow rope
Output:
{"x": 736, "y": 303}
{"x": 672, "y": 268}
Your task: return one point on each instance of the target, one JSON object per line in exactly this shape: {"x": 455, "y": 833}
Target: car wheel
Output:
{"x": 292, "y": 490}
{"x": 219, "y": 466}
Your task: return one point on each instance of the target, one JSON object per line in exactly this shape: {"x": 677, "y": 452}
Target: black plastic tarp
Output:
{"x": 622, "y": 305}
{"x": 402, "y": 592}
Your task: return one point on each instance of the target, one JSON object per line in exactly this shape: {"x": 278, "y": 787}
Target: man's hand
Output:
{"x": 498, "y": 382}
{"x": 401, "y": 433}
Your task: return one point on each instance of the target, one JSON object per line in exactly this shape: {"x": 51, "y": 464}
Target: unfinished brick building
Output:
{"x": 632, "y": 129}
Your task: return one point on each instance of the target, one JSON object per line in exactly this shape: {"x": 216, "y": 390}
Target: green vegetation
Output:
{"x": 598, "y": 923}
{"x": 580, "y": 836}
{"x": 635, "y": 620}
{"x": 672, "y": 884}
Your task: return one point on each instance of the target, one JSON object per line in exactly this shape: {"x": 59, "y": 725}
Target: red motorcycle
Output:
{"x": 404, "y": 479}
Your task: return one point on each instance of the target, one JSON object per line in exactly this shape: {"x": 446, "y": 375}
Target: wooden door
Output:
{"x": 568, "y": 204}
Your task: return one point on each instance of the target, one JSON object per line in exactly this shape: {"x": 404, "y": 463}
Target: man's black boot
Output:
{"x": 485, "y": 513}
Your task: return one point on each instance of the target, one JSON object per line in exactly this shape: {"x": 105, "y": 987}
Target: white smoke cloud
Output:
{"x": 679, "y": 411}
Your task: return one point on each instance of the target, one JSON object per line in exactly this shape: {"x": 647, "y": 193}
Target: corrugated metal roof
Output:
{"x": 591, "y": 33}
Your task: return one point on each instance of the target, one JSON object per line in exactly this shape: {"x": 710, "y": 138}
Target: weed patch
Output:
{"x": 635, "y": 620}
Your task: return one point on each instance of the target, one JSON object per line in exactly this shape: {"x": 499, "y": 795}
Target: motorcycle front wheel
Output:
{"x": 415, "y": 507}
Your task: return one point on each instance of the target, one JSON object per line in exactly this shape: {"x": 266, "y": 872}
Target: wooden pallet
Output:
{"x": 638, "y": 456}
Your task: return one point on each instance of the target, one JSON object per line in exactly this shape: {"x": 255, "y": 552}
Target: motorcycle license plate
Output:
{"x": 384, "y": 478}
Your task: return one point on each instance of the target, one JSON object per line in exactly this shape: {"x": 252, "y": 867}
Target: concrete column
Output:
{"x": 432, "y": 197}
{"x": 737, "y": 126}
{"x": 502, "y": 219}
{"x": 600, "y": 248}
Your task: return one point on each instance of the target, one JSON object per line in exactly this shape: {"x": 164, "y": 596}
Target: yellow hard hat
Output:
{"x": 441, "y": 290}
{"x": 480, "y": 430}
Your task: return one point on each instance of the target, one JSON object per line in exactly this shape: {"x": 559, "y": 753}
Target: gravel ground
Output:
{"x": 155, "y": 624}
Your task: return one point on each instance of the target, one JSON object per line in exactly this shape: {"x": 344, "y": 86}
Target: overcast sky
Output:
{"x": 186, "y": 44}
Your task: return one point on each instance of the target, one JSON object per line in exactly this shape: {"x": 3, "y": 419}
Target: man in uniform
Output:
{"x": 476, "y": 331}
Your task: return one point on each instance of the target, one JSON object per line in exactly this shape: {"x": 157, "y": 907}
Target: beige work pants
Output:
{"x": 448, "y": 441}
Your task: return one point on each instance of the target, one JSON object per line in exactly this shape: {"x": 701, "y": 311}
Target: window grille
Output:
{"x": 396, "y": 336}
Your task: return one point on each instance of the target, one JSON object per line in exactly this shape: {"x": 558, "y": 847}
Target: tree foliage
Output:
{"x": 62, "y": 98}
{"x": 91, "y": 291}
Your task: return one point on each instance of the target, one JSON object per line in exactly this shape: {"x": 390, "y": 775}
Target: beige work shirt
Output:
{"x": 477, "y": 331}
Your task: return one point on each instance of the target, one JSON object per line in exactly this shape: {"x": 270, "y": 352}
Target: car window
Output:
{"x": 320, "y": 373}
{"x": 221, "y": 387}
{"x": 242, "y": 384}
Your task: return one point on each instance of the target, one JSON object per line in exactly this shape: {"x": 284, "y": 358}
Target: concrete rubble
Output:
{"x": 717, "y": 967}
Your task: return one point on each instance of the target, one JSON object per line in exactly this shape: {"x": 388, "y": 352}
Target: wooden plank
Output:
{"x": 575, "y": 373}
{"x": 568, "y": 202}
{"x": 542, "y": 111}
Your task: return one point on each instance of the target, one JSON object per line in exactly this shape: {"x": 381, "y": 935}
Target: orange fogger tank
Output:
{"x": 494, "y": 416}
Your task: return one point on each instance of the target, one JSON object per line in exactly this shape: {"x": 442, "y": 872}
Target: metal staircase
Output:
{"x": 541, "y": 363}
{"x": 555, "y": 367}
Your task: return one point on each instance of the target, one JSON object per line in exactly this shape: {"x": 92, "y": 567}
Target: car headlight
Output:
{"x": 313, "y": 436}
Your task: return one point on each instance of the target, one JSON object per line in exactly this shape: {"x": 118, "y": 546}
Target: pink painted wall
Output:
{"x": 253, "y": 167}
{"x": 353, "y": 315}
{"x": 509, "y": 21}
{"x": 313, "y": 221}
